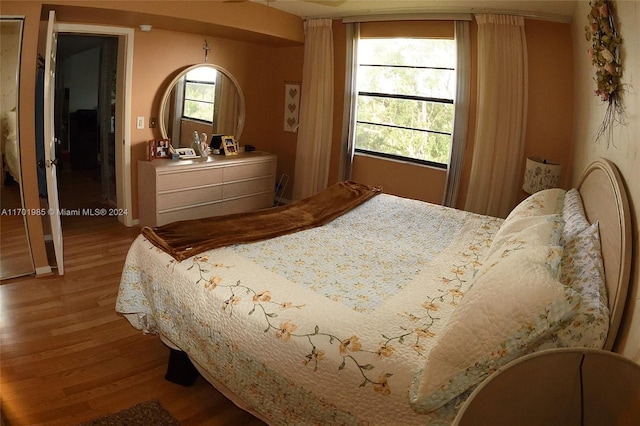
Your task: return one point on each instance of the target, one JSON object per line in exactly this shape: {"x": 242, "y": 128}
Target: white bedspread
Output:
{"x": 326, "y": 326}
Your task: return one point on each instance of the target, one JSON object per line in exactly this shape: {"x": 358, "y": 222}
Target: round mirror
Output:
{"x": 204, "y": 98}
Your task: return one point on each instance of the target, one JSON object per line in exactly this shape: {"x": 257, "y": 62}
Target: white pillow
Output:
{"x": 548, "y": 201}
{"x": 512, "y": 306}
{"x": 583, "y": 271}
{"x": 575, "y": 221}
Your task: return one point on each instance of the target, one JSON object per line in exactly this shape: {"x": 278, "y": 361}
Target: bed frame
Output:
{"x": 605, "y": 200}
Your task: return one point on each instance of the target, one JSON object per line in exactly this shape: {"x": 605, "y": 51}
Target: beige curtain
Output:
{"x": 501, "y": 119}
{"x": 461, "y": 114}
{"x": 229, "y": 108}
{"x": 316, "y": 110}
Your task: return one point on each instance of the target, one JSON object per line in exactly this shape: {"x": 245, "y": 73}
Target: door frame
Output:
{"x": 123, "y": 108}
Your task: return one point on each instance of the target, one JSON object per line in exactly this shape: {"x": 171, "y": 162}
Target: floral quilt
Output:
{"x": 325, "y": 326}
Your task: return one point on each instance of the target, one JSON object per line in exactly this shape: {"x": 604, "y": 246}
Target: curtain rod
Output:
{"x": 409, "y": 17}
{"x": 453, "y": 16}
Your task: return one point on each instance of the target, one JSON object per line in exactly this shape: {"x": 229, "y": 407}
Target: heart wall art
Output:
{"x": 291, "y": 106}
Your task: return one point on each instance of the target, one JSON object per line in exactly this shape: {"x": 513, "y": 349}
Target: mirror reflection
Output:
{"x": 203, "y": 98}
{"x": 15, "y": 251}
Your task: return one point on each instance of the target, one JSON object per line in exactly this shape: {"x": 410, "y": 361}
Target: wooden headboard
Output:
{"x": 605, "y": 200}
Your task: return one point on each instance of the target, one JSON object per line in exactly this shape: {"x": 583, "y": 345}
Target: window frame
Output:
{"x": 425, "y": 99}
{"x": 185, "y": 98}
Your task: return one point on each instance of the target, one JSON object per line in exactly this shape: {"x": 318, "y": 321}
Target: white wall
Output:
{"x": 625, "y": 148}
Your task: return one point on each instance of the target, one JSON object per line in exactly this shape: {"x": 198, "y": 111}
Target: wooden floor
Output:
{"x": 67, "y": 357}
{"x": 15, "y": 255}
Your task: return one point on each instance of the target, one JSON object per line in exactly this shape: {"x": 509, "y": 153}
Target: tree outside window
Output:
{"x": 199, "y": 94}
{"x": 405, "y": 105}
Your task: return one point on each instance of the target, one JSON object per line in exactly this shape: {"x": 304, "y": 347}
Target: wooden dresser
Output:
{"x": 193, "y": 189}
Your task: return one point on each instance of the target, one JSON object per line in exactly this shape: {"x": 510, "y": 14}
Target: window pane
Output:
{"x": 437, "y": 53}
{"x": 405, "y": 143}
{"x": 200, "y": 91}
{"x": 395, "y": 68}
{"x": 432, "y": 83}
{"x": 406, "y": 113}
{"x": 198, "y": 110}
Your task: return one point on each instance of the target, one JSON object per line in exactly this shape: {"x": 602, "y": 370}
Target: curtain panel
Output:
{"x": 316, "y": 111}
{"x": 501, "y": 117}
{"x": 461, "y": 113}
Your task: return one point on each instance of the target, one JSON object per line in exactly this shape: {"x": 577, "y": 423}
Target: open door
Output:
{"x": 50, "y": 140}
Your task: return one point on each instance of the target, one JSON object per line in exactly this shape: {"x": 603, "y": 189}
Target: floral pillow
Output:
{"x": 514, "y": 305}
{"x": 573, "y": 215}
{"x": 583, "y": 271}
{"x": 548, "y": 201}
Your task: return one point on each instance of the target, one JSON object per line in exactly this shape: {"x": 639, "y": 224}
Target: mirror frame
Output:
{"x": 20, "y": 21}
{"x": 170, "y": 86}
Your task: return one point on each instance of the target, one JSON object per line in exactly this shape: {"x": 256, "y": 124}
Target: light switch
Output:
{"x": 140, "y": 124}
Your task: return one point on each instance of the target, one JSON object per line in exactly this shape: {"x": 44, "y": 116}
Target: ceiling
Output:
{"x": 559, "y": 10}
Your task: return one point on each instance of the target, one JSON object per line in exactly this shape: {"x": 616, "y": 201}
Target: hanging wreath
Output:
{"x": 605, "y": 57}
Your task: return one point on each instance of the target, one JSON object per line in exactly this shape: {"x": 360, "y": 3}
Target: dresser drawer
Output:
{"x": 190, "y": 196}
{"x": 197, "y": 212}
{"x": 250, "y": 203}
{"x": 189, "y": 178}
{"x": 248, "y": 187}
{"x": 252, "y": 170}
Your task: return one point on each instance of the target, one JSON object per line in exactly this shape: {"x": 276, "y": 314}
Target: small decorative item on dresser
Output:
{"x": 162, "y": 148}
{"x": 151, "y": 150}
{"x": 159, "y": 149}
{"x": 230, "y": 145}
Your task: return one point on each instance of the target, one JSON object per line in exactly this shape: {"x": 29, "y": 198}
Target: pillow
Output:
{"x": 548, "y": 201}
{"x": 9, "y": 124}
{"x": 511, "y": 307}
{"x": 583, "y": 271}
{"x": 518, "y": 232}
{"x": 575, "y": 221}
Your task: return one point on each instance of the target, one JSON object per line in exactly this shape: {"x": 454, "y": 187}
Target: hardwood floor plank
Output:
{"x": 67, "y": 357}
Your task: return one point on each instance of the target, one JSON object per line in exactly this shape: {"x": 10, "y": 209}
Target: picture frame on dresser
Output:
{"x": 160, "y": 148}
{"x": 230, "y": 145}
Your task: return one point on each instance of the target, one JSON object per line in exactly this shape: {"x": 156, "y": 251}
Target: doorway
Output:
{"x": 85, "y": 124}
{"x": 122, "y": 107}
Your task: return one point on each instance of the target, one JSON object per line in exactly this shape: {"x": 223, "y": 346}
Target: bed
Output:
{"x": 393, "y": 312}
{"x": 9, "y": 147}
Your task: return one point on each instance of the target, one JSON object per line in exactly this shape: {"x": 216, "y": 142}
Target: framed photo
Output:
{"x": 186, "y": 153}
{"x": 163, "y": 148}
{"x": 230, "y": 145}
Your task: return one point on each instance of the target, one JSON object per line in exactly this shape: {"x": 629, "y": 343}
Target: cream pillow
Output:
{"x": 510, "y": 309}
{"x": 521, "y": 231}
{"x": 548, "y": 201}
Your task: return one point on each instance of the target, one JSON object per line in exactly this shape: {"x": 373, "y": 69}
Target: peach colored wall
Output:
{"x": 550, "y": 114}
{"x": 401, "y": 179}
{"x": 624, "y": 150}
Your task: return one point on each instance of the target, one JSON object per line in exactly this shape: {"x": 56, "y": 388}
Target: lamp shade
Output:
{"x": 540, "y": 174}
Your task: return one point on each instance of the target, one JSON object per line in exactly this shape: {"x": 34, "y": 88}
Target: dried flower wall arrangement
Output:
{"x": 605, "y": 57}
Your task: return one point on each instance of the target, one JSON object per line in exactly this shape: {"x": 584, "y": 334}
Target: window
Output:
{"x": 405, "y": 106}
{"x": 199, "y": 94}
